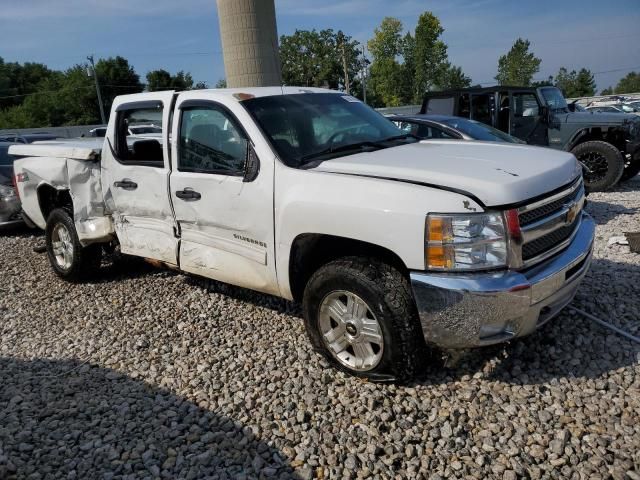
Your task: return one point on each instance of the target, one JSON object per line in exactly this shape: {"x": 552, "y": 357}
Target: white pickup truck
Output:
{"x": 391, "y": 243}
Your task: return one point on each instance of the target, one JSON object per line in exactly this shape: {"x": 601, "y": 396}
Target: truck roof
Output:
{"x": 249, "y": 91}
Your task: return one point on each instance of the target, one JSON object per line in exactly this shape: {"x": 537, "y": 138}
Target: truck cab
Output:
{"x": 607, "y": 145}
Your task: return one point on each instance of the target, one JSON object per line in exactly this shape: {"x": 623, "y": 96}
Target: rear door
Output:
{"x": 526, "y": 121}
{"x": 135, "y": 178}
{"x": 225, "y": 219}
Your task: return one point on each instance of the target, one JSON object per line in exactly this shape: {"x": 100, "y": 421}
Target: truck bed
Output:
{"x": 76, "y": 149}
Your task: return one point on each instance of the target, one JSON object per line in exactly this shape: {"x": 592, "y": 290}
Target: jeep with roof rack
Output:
{"x": 606, "y": 144}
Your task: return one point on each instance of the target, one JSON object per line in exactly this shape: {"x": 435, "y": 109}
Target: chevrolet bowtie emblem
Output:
{"x": 572, "y": 213}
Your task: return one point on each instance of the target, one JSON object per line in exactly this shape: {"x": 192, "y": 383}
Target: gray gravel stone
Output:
{"x": 145, "y": 373}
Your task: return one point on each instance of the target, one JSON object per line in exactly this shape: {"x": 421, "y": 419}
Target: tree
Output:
{"x": 387, "y": 76}
{"x": 629, "y": 83}
{"x": 315, "y": 59}
{"x": 518, "y": 67}
{"x": 163, "y": 80}
{"x": 430, "y": 55}
{"x": 116, "y": 77}
{"x": 222, "y": 83}
{"x": 453, "y": 77}
{"x": 18, "y": 81}
{"x": 575, "y": 84}
{"x": 607, "y": 91}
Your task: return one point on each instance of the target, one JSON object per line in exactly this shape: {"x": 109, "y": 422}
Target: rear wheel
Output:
{"x": 360, "y": 315}
{"x": 603, "y": 164}
{"x": 69, "y": 259}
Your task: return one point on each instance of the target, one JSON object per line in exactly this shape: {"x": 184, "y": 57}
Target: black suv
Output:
{"x": 607, "y": 144}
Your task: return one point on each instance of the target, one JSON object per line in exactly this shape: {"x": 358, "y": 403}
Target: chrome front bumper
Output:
{"x": 472, "y": 310}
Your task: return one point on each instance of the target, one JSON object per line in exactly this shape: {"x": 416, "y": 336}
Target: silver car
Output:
{"x": 9, "y": 202}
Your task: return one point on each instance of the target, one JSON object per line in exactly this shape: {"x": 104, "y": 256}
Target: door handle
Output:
{"x": 126, "y": 184}
{"x": 188, "y": 195}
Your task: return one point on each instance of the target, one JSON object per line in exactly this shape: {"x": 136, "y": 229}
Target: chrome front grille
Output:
{"x": 549, "y": 225}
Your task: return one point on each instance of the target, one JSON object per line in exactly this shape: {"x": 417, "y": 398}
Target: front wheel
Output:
{"x": 360, "y": 315}
{"x": 603, "y": 164}
{"x": 69, "y": 259}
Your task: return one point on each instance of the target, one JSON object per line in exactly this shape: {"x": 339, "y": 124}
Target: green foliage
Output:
{"x": 518, "y": 67}
{"x": 222, "y": 83}
{"x": 453, "y": 77}
{"x": 312, "y": 58}
{"x": 430, "y": 55}
{"x": 405, "y": 67}
{"x": 116, "y": 77}
{"x": 630, "y": 83}
{"x": 162, "y": 80}
{"x": 607, "y": 91}
{"x": 575, "y": 84}
{"x": 40, "y": 97}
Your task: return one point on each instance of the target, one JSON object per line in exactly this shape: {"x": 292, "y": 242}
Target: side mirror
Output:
{"x": 251, "y": 164}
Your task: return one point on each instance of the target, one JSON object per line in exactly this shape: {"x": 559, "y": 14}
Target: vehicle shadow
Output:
{"x": 68, "y": 419}
{"x": 277, "y": 304}
{"x": 568, "y": 346}
{"x": 604, "y": 212}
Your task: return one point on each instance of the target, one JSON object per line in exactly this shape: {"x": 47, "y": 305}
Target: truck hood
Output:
{"x": 496, "y": 174}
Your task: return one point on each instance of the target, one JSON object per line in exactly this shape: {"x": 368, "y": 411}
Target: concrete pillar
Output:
{"x": 249, "y": 42}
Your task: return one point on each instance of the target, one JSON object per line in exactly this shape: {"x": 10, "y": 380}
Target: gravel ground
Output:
{"x": 152, "y": 374}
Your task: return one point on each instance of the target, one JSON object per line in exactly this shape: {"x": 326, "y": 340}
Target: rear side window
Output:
{"x": 211, "y": 142}
{"x": 481, "y": 108}
{"x": 139, "y": 148}
{"x": 440, "y": 106}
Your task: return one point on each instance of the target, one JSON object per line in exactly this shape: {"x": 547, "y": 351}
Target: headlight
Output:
{"x": 466, "y": 242}
{"x": 7, "y": 192}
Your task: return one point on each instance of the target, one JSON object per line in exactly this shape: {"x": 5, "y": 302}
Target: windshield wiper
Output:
{"x": 342, "y": 148}
{"x": 378, "y": 144}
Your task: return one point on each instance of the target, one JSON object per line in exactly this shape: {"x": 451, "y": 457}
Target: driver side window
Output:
{"x": 211, "y": 142}
{"x": 525, "y": 105}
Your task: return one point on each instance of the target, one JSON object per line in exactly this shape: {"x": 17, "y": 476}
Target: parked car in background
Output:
{"x": 616, "y": 108}
{"x": 9, "y": 201}
{"x": 27, "y": 137}
{"x": 98, "y": 132}
{"x": 607, "y": 144}
{"x": 448, "y": 127}
{"x": 390, "y": 243}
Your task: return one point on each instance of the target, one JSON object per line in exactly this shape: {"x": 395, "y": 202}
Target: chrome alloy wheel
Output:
{"x": 351, "y": 331}
{"x": 62, "y": 246}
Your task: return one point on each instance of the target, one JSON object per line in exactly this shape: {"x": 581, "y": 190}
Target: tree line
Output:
{"x": 33, "y": 95}
{"x": 399, "y": 68}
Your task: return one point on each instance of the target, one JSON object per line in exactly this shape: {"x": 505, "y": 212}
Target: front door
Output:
{"x": 526, "y": 121}
{"x": 225, "y": 219}
{"x": 135, "y": 177}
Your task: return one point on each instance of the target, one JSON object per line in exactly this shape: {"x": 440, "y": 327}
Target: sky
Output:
{"x": 183, "y": 34}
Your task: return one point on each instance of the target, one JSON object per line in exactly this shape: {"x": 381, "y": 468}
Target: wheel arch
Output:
{"x": 310, "y": 251}
{"x": 50, "y": 198}
{"x": 609, "y": 134}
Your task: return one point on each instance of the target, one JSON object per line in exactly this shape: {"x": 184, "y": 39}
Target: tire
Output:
{"x": 386, "y": 296}
{"x": 603, "y": 163}
{"x": 631, "y": 169}
{"x": 69, "y": 259}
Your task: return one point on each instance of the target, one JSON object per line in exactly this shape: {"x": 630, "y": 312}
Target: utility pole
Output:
{"x": 95, "y": 77}
{"x": 364, "y": 74}
{"x": 346, "y": 69}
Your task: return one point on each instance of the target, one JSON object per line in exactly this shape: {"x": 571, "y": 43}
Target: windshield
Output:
{"x": 626, "y": 108}
{"x": 309, "y": 127}
{"x": 554, "y": 98}
{"x": 479, "y": 131}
